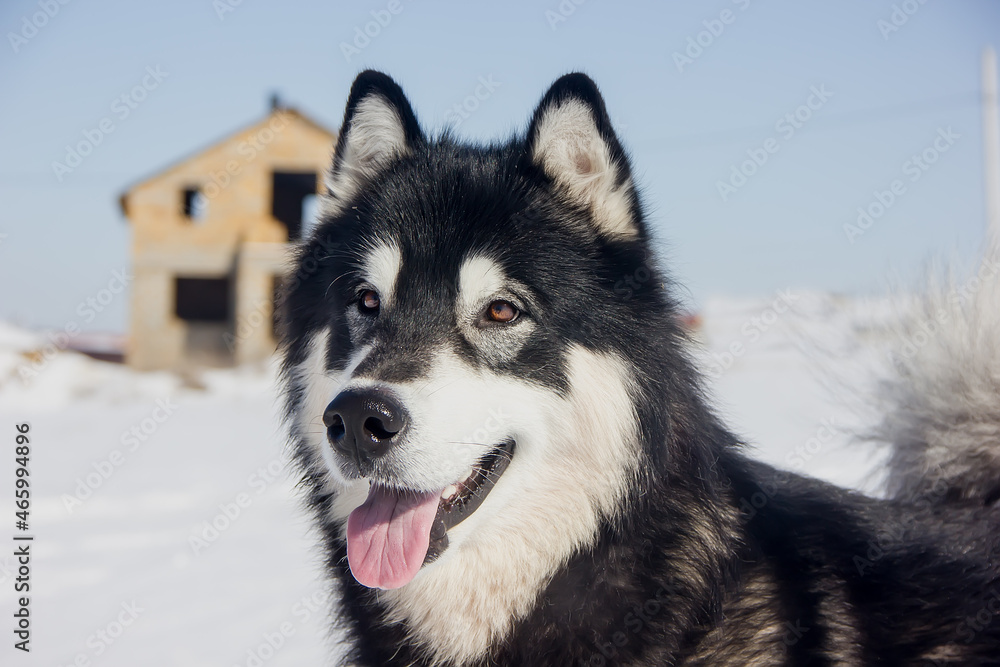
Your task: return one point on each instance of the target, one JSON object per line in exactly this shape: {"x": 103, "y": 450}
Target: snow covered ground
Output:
{"x": 167, "y": 533}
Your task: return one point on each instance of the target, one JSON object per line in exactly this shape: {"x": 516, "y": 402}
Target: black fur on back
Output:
{"x": 713, "y": 559}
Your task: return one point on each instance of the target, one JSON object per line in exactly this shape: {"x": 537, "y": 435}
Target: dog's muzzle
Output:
{"x": 397, "y": 529}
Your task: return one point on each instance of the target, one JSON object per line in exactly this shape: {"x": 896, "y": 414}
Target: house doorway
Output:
{"x": 205, "y": 305}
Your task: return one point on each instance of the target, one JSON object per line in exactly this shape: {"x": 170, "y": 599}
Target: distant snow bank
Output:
{"x": 38, "y": 372}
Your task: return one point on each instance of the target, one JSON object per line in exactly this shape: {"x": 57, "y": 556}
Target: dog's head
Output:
{"x": 459, "y": 339}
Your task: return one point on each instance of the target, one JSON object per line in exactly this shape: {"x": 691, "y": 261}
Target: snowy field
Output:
{"x": 167, "y": 533}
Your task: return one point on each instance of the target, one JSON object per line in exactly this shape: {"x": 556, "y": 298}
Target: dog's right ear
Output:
{"x": 379, "y": 127}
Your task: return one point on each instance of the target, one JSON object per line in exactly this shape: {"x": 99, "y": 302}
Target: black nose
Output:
{"x": 364, "y": 424}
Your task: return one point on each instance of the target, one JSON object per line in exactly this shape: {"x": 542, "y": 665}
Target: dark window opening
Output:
{"x": 289, "y": 192}
{"x": 202, "y": 299}
{"x": 195, "y": 204}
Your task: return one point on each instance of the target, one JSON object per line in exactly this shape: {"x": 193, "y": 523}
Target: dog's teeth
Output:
{"x": 449, "y": 492}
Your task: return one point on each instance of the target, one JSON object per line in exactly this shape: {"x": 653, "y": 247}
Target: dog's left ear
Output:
{"x": 572, "y": 140}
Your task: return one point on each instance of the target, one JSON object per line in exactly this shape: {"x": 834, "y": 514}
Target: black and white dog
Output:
{"x": 511, "y": 464}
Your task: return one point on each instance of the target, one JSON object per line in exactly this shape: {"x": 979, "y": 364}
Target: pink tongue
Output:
{"x": 387, "y": 536}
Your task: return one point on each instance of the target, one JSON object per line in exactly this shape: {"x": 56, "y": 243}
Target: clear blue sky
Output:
{"x": 891, "y": 93}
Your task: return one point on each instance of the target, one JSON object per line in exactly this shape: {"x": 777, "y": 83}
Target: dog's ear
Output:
{"x": 379, "y": 127}
{"x": 572, "y": 141}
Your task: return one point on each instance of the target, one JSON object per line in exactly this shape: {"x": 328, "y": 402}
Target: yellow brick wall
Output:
{"x": 235, "y": 176}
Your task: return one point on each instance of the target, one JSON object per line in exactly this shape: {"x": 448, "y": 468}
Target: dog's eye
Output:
{"x": 368, "y": 302}
{"x": 502, "y": 312}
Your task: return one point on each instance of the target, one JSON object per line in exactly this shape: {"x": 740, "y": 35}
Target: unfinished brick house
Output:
{"x": 210, "y": 242}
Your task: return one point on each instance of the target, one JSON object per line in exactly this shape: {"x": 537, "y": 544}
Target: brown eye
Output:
{"x": 502, "y": 311}
{"x": 368, "y": 302}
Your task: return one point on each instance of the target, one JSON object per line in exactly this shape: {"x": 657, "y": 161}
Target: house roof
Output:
{"x": 177, "y": 164}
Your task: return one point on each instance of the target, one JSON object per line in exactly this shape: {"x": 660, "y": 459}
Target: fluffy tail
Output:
{"x": 941, "y": 404}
